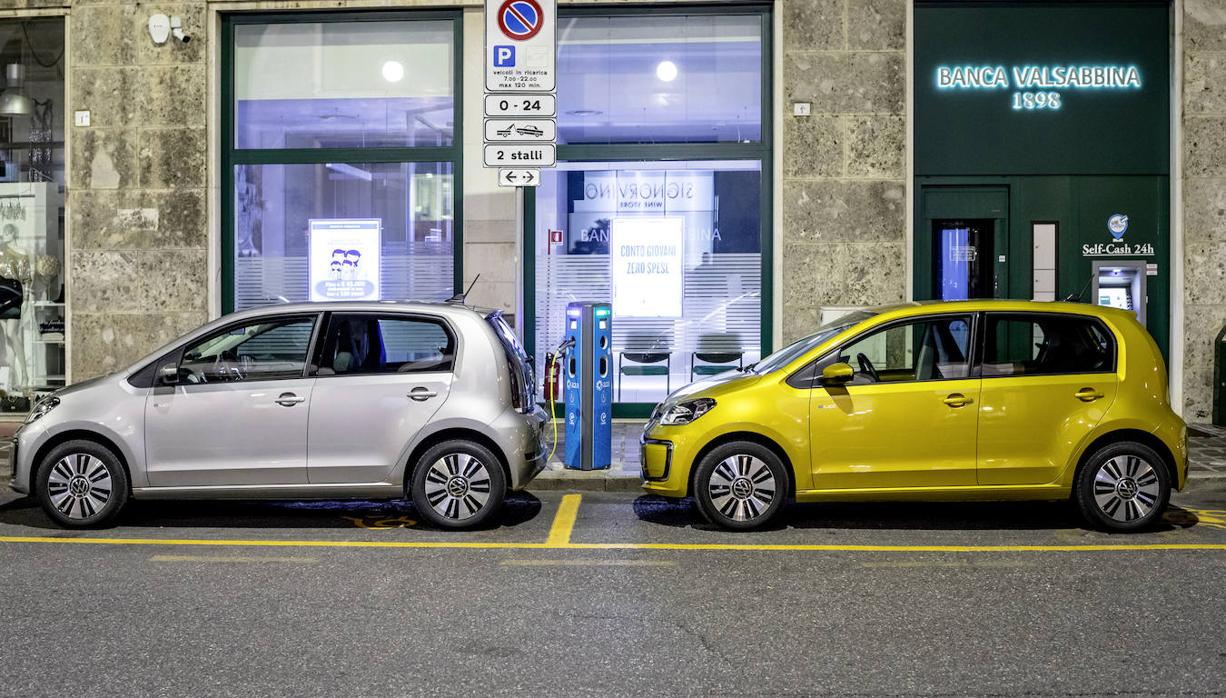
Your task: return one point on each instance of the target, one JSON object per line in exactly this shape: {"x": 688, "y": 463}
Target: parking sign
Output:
{"x": 520, "y": 45}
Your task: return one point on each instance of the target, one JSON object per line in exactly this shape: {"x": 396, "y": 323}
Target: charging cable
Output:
{"x": 562, "y": 350}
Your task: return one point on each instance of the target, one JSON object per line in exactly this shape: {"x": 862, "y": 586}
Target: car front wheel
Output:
{"x": 741, "y": 486}
{"x": 81, "y": 484}
{"x": 1123, "y": 487}
{"x": 458, "y": 484}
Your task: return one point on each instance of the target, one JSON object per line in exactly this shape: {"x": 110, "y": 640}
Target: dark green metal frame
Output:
{"x": 232, "y": 156}
{"x": 663, "y": 152}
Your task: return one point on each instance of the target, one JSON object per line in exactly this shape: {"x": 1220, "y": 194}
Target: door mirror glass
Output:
{"x": 168, "y": 374}
{"x": 837, "y": 374}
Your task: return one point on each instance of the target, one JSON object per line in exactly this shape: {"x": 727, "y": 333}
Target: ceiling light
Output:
{"x": 393, "y": 71}
{"x": 666, "y": 71}
{"x": 13, "y": 102}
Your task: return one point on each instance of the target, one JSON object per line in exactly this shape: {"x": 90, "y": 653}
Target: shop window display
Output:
{"x": 658, "y": 205}
{"x": 342, "y": 159}
{"x": 676, "y": 248}
{"x": 31, "y": 211}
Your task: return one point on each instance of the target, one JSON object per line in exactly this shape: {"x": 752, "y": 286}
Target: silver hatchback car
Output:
{"x": 334, "y": 400}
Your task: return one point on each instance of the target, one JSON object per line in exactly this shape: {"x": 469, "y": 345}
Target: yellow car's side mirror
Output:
{"x": 837, "y": 374}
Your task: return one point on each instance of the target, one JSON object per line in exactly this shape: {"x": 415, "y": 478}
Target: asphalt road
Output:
{"x": 613, "y": 594}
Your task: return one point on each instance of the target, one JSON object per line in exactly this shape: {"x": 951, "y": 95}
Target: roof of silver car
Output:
{"x": 362, "y": 306}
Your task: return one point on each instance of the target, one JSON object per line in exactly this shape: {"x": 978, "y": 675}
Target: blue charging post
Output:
{"x": 589, "y": 386}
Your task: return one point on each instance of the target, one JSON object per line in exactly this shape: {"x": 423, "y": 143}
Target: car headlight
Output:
{"x": 686, "y": 412}
{"x": 42, "y": 407}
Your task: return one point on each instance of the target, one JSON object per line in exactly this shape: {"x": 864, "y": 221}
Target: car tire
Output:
{"x": 1123, "y": 487}
{"x": 458, "y": 484}
{"x": 741, "y": 486}
{"x": 81, "y": 484}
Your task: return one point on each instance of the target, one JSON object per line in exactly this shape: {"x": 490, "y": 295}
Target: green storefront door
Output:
{"x": 962, "y": 242}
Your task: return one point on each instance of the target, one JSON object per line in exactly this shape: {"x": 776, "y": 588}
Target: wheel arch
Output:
{"x": 752, "y": 437}
{"x": 77, "y": 435}
{"x": 453, "y": 434}
{"x": 1124, "y": 435}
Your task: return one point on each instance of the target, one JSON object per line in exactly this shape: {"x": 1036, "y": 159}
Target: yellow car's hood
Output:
{"x": 719, "y": 384}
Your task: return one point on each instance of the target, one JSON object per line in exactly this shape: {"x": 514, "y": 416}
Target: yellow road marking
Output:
{"x": 233, "y": 558}
{"x": 896, "y": 548}
{"x": 702, "y": 547}
{"x": 564, "y": 521}
{"x": 588, "y": 563}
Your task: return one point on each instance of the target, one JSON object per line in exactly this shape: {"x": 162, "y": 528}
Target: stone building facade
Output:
{"x": 143, "y": 187}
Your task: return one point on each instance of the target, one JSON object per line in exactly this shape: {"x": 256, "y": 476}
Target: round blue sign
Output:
{"x": 520, "y": 19}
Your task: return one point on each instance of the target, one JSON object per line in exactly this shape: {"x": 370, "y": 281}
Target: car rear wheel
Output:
{"x": 741, "y": 486}
{"x": 458, "y": 484}
{"x": 81, "y": 484}
{"x": 1123, "y": 487}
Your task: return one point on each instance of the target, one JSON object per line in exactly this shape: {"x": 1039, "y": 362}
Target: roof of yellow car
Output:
{"x": 982, "y": 304}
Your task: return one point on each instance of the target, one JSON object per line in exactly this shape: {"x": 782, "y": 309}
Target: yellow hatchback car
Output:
{"x": 968, "y": 400}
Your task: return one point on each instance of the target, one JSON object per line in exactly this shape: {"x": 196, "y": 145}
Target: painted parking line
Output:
{"x": 234, "y": 558}
{"x": 561, "y": 529}
{"x": 588, "y": 562}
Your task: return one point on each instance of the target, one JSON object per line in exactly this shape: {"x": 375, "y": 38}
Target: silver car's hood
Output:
{"x": 83, "y": 385}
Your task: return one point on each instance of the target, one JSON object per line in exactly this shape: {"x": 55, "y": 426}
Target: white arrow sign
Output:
{"x": 519, "y": 178}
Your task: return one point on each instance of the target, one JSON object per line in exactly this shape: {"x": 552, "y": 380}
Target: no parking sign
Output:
{"x": 520, "y": 45}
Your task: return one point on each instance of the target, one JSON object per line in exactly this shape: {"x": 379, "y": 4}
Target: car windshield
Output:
{"x": 788, "y": 354}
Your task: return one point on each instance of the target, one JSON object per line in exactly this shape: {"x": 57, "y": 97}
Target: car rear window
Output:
{"x": 1046, "y": 344}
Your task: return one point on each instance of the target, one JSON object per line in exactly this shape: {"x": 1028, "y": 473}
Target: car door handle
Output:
{"x": 1087, "y": 395}
{"x": 958, "y": 400}
{"x": 289, "y": 399}
{"x": 421, "y": 394}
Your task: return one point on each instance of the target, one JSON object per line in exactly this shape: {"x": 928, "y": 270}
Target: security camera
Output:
{"x": 176, "y": 29}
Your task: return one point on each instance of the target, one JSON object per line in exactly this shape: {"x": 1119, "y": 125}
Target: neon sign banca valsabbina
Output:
{"x": 1037, "y": 87}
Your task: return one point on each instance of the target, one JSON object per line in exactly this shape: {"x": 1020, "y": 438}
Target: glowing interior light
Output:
{"x": 666, "y": 71}
{"x": 393, "y": 71}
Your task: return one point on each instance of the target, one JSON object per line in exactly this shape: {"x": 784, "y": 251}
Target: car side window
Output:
{"x": 365, "y": 343}
{"x": 266, "y": 349}
{"x": 924, "y": 349}
{"x": 1046, "y": 344}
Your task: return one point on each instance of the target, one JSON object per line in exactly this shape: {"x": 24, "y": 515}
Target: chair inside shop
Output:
{"x": 642, "y": 357}
{"x": 717, "y": 353}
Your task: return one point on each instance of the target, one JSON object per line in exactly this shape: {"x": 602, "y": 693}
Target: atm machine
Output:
{"x": 1120, "y": 284}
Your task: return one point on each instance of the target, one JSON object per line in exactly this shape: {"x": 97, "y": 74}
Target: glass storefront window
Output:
{"x": 279, "y": 207}
{"x": 660, "y": 79}
{"x": 675, "y": 246}
{"x": 32, "y": 107}
{"x": 343, "y": 84}
{"x": 658, "y": 204}
{"x": 343, "y": 163}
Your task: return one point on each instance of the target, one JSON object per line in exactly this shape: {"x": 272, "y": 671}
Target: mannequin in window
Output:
{"x": 14, "y": 276}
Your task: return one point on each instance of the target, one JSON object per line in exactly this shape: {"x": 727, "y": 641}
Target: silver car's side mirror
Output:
{"x": 168, "y": 374}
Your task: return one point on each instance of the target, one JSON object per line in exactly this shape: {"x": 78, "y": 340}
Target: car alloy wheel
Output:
{"x": 1126, "y": 488}
{"x": 457, "y": 486}
{"x": 79, "y": 486}
{"x": 742, "y": 487}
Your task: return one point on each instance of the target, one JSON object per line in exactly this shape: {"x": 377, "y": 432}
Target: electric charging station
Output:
{"x": 589, "y": 386}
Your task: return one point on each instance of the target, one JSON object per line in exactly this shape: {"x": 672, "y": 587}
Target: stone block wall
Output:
{"x": 844, "y": 166}
{"x": 1204, "y": 199}
{"x": 138, "y": 261}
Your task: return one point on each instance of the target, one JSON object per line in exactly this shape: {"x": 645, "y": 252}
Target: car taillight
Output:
{"x": 517, "y": 388}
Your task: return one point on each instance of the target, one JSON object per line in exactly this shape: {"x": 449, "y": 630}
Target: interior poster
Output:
{"x": 646, "y": 254}
{"x": 345, "y": 259}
